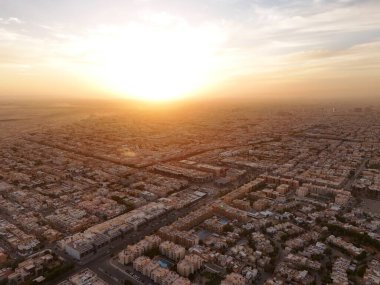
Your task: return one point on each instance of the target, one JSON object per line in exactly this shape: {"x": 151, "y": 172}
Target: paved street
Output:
{"x": 100, "y": 263}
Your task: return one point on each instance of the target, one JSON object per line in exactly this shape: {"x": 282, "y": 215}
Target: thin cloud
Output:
{"x": 263, "y": 39}
{"x": 10, "y": 21}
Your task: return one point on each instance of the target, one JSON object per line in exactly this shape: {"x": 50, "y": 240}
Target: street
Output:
{"x": 100, "y": 263}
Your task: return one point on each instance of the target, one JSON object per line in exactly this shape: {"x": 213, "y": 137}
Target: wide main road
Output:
{"x": 99, "y": 264}
{"x": 358, "y": 171}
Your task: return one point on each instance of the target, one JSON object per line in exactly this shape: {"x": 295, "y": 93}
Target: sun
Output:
{"x": 156, "y": 63}
{"x": 155, "y": 69}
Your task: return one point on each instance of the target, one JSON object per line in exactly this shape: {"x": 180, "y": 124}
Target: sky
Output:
{"x": 171, "y": 49}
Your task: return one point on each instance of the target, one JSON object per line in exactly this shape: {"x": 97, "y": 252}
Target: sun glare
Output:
{"x": 157, "y": 62}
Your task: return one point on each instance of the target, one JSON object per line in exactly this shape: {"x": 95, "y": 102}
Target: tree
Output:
{"x": 153, "y": 252}
{"x": 228, "y": 228}
{"x": 213, "y": 279}
{"x": 270, "y": 267}
{"x": 191, "y": 277}
{"x": 326, "y": 279}
{"x": 361, "y": 270}
{"x": 361, "y": 256}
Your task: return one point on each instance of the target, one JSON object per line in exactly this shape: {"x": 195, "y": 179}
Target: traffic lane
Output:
{"x": 128, "y": 271}
{"x": 129, "y": 239}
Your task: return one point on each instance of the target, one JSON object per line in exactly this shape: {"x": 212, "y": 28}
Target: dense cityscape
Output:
{"x": 190, "y": 142}
{"x": 231, "y": 195}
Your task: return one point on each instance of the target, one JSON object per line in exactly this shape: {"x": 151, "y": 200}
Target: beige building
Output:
{"x": 159, "y": 274}
{"x": 261, "y": 204}
{"x": 234, "y": 279}
{"x": 170, "y": 278}
{"x": 189, "y": 265}
{"x": 140, "y": 263}
{"x": 302, "y": 191}
{"x": 172, "y": 250}
{"x": 129, "y": 254}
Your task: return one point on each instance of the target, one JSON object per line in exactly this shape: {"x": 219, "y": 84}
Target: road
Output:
{"x": 358, "y": 170}
{"x": 100, "y": 264}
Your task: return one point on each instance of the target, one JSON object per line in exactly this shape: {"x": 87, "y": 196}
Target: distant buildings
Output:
{"x": 253, "y": 196}
{"x": 339, "y": 271}
{"x": 372, "y": 274}
{"x": 172, "y": 250}
{"x": 162, "y": 276}
{"x": 234, "y": 279}
{"x": 34, "y": 268}
{"x": 349, "y": 247}
{"x": 84, "y": 277}
{"x": 189, "y": 265}
{"x": 129, "y": 254}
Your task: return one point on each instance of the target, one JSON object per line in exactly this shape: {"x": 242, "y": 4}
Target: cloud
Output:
{"x": 297, "y": 25}
{"x": 10, "y": 21}
{"x": 269, "y": 40}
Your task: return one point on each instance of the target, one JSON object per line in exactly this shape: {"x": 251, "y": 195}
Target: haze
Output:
{"x": 189, "y": 142}
{"x": 170, "y": 50}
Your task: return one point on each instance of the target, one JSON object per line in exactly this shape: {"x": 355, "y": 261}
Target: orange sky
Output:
{"x": 160, "y": 50}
